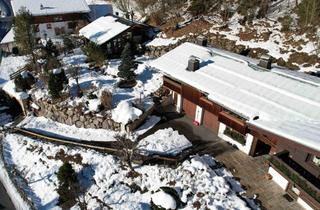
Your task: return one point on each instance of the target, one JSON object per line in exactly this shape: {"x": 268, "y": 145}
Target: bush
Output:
{"x": 235, "y": 135}
{"x": 21, "y": 84}
{"x": 15, "y": 51}
{"x": 51, "y": 49}
{"x": 286, "y": 23}
{"x": 197, "y": 7}
{"x": 68, "y": 183}
{"x": 51, "y": 63}
{"x": 68, "y": 44}
{"x": 94, "y": 53}
{"x": 55, "y": 83}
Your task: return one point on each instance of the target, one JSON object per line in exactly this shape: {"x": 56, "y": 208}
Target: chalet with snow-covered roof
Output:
{"x": 53, "y": 18}
{"x": 7, "y": 43}
{"x": 112, "y": 33}
{"x": 261, "y": 111}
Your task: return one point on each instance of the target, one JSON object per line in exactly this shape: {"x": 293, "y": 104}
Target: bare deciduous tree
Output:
{"x": 124, "y": 5}
{"x": 128, "y": 150}
{"x": 75, "y": 73}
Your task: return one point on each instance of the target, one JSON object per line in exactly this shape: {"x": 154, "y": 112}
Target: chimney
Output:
{"x": 265, "y": 62}
{"x": 193, "y": 64}
{"x": 202, "y": 41}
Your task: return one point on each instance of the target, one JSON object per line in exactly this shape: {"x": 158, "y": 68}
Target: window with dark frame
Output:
{"x": 49, "y": 26}
{"x": 235, "y": 135}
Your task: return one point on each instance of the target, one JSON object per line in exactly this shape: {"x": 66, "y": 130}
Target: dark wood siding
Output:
{"x": 172, "y": 85}
{"x": 233, "y": 122}
{"x": 191, "y": 93}
{"x": 211, "y": 121}
{"x": 209, "y": 106}
{"x": 58, "y": 18}
{"x": 189, "y": 108}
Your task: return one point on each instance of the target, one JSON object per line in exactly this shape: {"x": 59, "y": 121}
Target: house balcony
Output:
{"x": 302, "y": 183}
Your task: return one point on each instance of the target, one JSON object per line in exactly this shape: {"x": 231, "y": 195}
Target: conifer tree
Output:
{"x": 55, "y": 83}
{"x": 127, "y": 66}
{"x": 24, "y": 33}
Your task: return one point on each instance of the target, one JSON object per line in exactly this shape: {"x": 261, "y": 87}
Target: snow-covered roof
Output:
{"x": 287, "y": 104}
{"x": 50, "y": 7}
{"x": 8, "y": 38}
{"x": 103, "y": 29}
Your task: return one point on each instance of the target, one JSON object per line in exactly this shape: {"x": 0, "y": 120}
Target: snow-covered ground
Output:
{"x": 104, "y": 179}
{"x": 9, "y": 65}
{"x": 148, "y": 81}
{"x": 49, "y": 127}
{"x": 164, "y": 142}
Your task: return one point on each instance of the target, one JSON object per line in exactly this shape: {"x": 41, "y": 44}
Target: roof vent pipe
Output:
{"x": 265, "y": 62}
{"x": 193, "y": 64}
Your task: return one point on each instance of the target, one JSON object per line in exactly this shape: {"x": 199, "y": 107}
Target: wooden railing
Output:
{"x": 309, "y": 192}
{"x": 15, "y": 74}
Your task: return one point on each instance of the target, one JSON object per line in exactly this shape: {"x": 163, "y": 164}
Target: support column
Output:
{"x": 199, "y": 115}
{"x": 179, "y": 103}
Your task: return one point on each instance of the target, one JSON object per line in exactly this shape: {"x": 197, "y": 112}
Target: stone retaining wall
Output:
{"x": 216, "y": 41}
{"x": 65, "y": 114}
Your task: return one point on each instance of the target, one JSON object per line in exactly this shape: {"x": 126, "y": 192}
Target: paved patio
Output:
{"x": 248, "y": 170}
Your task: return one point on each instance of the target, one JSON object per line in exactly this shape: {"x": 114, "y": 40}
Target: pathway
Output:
{"x": 248, "y": 170}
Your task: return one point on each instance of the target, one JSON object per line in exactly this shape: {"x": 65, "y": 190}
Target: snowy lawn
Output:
{"x": 164, "y": 142}
{"x": 49, "y": 127}
{"x": 46, "y": 126}
{"x": 9, "y": 65}
{"x": 195, "y": 180}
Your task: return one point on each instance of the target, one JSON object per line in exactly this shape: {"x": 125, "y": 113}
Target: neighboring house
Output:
{"x": 112, "y": 33}
{"x": 53, "y": 18}
{"x": 7, "y": 43}
{"x": 261, "y": 111}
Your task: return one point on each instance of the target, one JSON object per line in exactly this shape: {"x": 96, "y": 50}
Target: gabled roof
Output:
{"x": 8, "y": 38}
{"x": 50, "y": 7}
{"x": 287, "y": 104}
{"x": 103, "y": 29}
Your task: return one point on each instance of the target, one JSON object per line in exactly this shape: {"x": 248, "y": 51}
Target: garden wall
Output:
{"x": 63, "y": 113}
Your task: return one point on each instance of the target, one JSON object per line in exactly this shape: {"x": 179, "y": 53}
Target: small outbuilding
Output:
{"x": 7, "y": 43}
{"x": 112, "y": 33}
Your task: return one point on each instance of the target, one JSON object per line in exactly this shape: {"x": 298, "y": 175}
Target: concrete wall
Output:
{"x": 278, "y": 178}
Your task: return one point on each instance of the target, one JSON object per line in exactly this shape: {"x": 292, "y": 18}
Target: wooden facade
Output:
{"x": 59, "y": 18}
{"x": 137, "y": 34}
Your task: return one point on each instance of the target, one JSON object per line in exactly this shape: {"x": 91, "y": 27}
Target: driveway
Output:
{"x": 249, "y": 171}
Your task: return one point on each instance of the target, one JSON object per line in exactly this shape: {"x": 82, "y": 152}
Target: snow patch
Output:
{"x": 164, "y": 142}
{"x": 125, "y": 113}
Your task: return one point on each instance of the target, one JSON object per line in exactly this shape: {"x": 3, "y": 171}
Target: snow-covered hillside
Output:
{"x": 198, "y": 181}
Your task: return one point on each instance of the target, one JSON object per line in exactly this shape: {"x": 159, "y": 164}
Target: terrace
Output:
{"x": 307, "y": 185}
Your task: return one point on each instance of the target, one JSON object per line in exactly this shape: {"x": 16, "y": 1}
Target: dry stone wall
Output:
{"x": 63, "y": 113}
{"x": 217, "y": 41}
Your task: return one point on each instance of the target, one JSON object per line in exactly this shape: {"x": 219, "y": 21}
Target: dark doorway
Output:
{"x": 262, "y": 148}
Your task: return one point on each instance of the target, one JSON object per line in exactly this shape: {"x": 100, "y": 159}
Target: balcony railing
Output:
{"x": 298, "y": 175}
